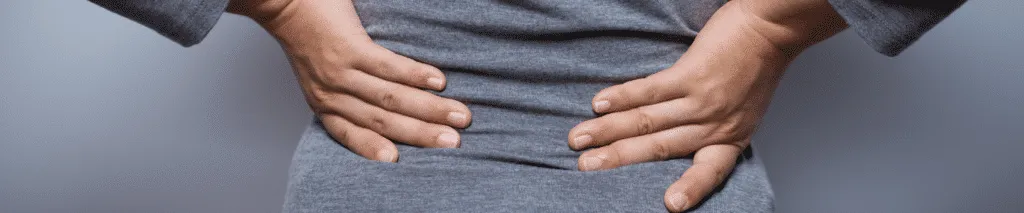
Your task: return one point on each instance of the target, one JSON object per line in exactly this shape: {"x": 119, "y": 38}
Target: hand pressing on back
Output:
{"x": 366, "y": 96}
{"x": 709, "y": 102}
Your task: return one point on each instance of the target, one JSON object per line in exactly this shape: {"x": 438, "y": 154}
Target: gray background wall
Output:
{"x": 99, "y": 114}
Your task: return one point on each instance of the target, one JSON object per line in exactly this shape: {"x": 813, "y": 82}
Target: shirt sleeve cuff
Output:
{"x": 890, "y": 26}
{"x": 186, "y": 22}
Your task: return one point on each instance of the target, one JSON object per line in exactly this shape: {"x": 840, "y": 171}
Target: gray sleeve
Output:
{"x": 890, "y": 26}
{"x": 184, "y": 21}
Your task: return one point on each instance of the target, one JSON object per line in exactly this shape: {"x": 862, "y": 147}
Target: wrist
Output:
{"x": 301, "y": 24}
{"x": 261, "y": 11}
{"x": 790, "y": 25}
{"x": 732, "y": 32}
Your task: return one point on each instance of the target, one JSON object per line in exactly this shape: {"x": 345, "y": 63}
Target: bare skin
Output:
{"x": 367, "y": 96}
{"x": 708, "y": 104}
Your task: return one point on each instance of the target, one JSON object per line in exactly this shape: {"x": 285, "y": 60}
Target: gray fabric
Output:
{"x": 890, "y": 26}
{"x": 527, "y": 70}
{"x": 184, "y": 21}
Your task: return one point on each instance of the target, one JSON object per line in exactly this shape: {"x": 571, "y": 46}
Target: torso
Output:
{"x": 527, "y": 70}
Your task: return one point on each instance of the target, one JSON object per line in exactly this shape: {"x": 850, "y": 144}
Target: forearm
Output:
{"x": 794, "y": 24}
{"x": 770, "y": 28}
{"x": 304, "y": 23}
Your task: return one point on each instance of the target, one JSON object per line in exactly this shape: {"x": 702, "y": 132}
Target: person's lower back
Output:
{"x": 527, "y": 73}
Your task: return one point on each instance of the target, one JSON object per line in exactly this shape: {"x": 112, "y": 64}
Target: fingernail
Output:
{"x": 457, "y": 118}
{"x": 448, "y": 140}
{"x": 601, "y": 106}
{"x": 386, "y": 155}
{"x": 677, "y": 201}
{"x": 581, "y": 141}
{"x": 436, "y": 83}
{"x": 590, "y": 163}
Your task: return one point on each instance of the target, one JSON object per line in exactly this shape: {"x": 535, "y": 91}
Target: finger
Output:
{"x": 406, "y": 100}
{"x": 362, "y": 141}
{"x": 711, "y": 166}
{"x": 652, "y": 89}
{"x": 392, "y": 67}
{"x": 672, "y": 143}
{"x": 398, "y": 128}
{"x": 640, "y": 121}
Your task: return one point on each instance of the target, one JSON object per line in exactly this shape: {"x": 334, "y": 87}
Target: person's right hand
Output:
{"x": 365, "y": 95}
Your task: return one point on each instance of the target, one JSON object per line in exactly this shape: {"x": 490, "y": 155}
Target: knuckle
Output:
{"x": 379, "y": 123}
{"x": 661, "y": 151}
{"x": 381, "y": 65}
{"x": 419, "y": 73}
{"x": 676, "y": 115}
{"x": 617, "y": 155}
{"x": 341, "y": 134}
{"x": 389, "y": 99}
{"x": 718, "y": 110}
{"x": 644, "y": 123}
{"x": 338, "y": 78}
{"x": 687, "y": 108}
{"x": 707, "y": 135}
{"x": 650, "y": 90}
{"x": 710, "y": 109}
{"x": 730, "y": 131}
{"x": 318, "y": 99}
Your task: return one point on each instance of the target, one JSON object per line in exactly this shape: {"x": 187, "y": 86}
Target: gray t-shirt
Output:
{"x": 527, "y": 69}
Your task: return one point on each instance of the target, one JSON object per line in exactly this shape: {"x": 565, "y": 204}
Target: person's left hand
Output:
{"x": 703, "y": 105}
{"x": 707, "y": 104}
